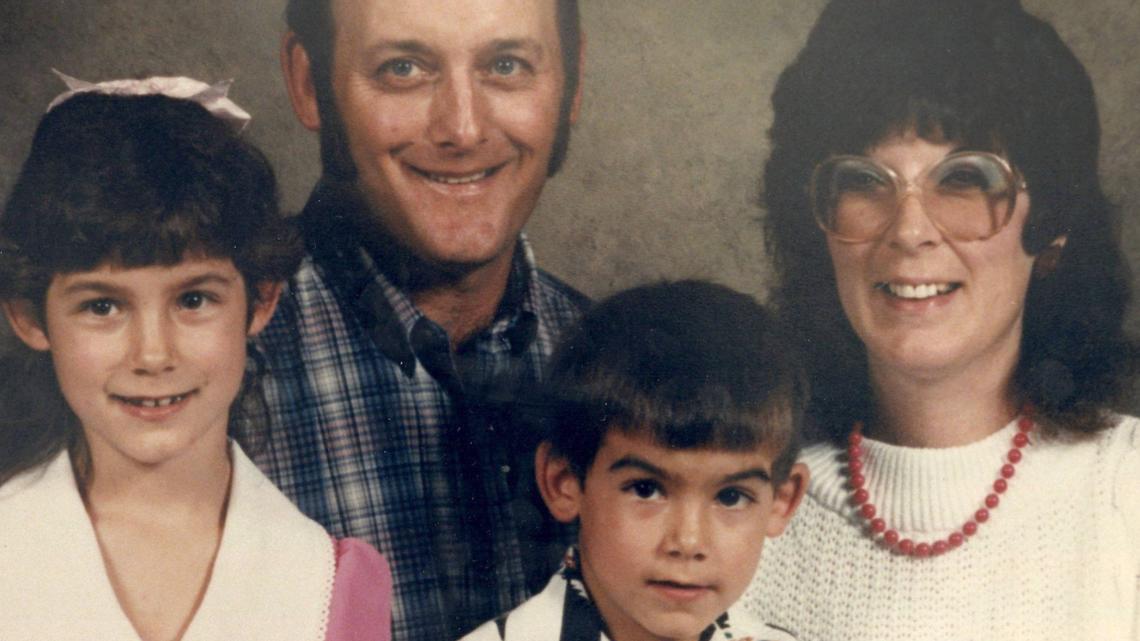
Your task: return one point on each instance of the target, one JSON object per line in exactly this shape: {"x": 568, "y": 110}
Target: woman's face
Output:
{"x": 927, "y": 306}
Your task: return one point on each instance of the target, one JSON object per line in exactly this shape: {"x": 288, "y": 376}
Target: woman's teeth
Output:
{"x": 918, "y": 292}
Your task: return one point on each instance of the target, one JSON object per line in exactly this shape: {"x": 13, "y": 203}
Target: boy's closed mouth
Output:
{"x": 680, "y": 591}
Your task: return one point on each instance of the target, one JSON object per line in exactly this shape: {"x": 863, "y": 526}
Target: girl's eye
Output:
{"x": 644, "y": 489}
{"x": 100, "y": 306}
{"x": 733, "y": 497}
{"x": 193, "y": 300}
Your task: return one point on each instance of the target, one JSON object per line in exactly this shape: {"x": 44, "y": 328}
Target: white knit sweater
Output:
{"x": 1059, "y": 558}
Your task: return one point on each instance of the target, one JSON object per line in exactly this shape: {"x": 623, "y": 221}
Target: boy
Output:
{"x": 672, "y": 443}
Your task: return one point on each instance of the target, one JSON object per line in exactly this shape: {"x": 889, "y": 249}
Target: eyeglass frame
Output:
{"x": 904, "y": 186}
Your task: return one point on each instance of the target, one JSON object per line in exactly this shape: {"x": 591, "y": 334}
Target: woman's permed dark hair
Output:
{"x": 984, "y": 74}
{"x": 133, "y": 182}
{"x": 692, "y": 364}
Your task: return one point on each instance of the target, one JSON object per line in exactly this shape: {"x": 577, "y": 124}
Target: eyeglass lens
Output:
{"x": 969, "y": 196}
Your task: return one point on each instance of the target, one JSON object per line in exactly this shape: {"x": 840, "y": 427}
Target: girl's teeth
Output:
{"x": 155, "y": 402}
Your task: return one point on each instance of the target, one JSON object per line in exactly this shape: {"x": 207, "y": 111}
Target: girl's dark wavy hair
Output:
{"x": 985, "y": 74}
{"x": 133, "y": 182}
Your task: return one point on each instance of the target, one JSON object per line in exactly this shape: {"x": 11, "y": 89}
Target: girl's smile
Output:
{"x": 149, "y": 358}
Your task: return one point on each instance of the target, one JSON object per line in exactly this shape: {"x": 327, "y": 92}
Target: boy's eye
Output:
{"x": 99, "y": 306}
{"x": 644, "y": 489}
{"x": 733, "y": 497}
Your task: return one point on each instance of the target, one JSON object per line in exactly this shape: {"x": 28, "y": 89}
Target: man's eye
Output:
{"x": 733, "y": 497}
{"x": 401, "y": 68}
{"x": 644, "y": 489}
{"x": 505, "y": 66}
{"x": 100, "y": 306}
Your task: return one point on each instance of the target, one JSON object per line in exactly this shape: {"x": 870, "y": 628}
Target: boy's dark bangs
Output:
{"x": 689, "y": 415}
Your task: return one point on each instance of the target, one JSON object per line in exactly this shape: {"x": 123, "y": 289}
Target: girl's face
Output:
{"x": 148, "y": 358}
{"x": 926, "y": 305}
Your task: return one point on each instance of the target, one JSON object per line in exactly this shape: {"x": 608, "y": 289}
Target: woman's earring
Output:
{"x": 1047, "y": 261}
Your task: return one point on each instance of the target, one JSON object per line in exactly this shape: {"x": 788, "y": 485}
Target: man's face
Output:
{"x": 450, "y": 110}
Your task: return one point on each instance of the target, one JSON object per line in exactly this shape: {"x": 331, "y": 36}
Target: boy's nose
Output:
{"x": 687, "y": 537}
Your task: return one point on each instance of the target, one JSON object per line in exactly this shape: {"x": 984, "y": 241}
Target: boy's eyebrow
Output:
{"x": 752, "y": 473}
{"x": 630, "y": 460}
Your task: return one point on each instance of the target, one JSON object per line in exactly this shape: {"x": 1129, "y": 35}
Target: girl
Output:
{"x": 141, "y": 247}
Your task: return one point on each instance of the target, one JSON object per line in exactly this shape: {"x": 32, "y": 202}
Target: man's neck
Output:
{"x": 463, "y": 305}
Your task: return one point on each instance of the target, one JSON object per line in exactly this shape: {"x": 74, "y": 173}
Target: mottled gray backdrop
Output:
{"x": 663, "y": 174}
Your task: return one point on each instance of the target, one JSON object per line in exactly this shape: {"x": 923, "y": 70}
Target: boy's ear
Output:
{"x": 268, "y": 293}
{"x": 560, "y": 487}
{"x": 787, "y": 498}
{"x": 26, "y": 324}
{"x": 298, "y": 71}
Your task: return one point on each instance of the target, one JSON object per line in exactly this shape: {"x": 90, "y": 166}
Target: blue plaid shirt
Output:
{"x": 379, "y": 430}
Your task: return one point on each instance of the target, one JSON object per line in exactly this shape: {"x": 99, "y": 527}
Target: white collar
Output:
{"x": 272, "y": 578}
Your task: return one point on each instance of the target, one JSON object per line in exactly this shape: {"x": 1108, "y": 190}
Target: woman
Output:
{"x": 944, "y": 250}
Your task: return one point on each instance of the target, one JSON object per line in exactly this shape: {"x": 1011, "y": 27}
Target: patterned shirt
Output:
{"x": 564, "y": 611}
{"x": 378, "y": 429}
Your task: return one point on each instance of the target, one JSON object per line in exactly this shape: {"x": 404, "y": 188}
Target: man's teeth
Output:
{"x": 459, "y": 180}
{"x": 925, "y": 290}
{"x": 154, "y": 402}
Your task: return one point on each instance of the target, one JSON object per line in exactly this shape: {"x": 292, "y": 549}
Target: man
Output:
{"x": 418, "y": 317}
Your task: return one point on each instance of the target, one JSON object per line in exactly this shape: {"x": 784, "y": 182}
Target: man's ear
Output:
{"x": 576, "y": 104}
{"x": 1047, "y": 260}
{"x": 26, "y": 324}
{"x": 786, "y": 499}
{"x": 560, "y": 487}
{"x": 298, "y": 70}
{"x": 268, "y": 293}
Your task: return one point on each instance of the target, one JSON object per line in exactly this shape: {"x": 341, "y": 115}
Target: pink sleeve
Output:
{"x": 361, "y": 607}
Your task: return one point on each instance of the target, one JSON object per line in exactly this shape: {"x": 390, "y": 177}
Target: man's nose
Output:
{"x": 458, "y": 112}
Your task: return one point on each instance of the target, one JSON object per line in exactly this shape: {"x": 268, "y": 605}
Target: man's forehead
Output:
{"x": 446, "y": 21}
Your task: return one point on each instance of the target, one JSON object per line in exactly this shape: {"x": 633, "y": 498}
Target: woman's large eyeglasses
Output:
{"x": 968, "y": 195}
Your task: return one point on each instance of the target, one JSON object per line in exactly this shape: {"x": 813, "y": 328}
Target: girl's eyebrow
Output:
{"x": 96, "y": 286}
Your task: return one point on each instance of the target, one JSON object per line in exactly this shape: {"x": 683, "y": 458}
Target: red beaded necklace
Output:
{"x": 889, "y": 536}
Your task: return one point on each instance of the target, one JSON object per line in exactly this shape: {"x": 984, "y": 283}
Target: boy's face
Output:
{"x": 669, "y": 539}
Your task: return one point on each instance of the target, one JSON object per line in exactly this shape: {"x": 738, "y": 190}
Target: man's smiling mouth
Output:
{"x": 457, "y": 179}
{"x": 917, "y": 292}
